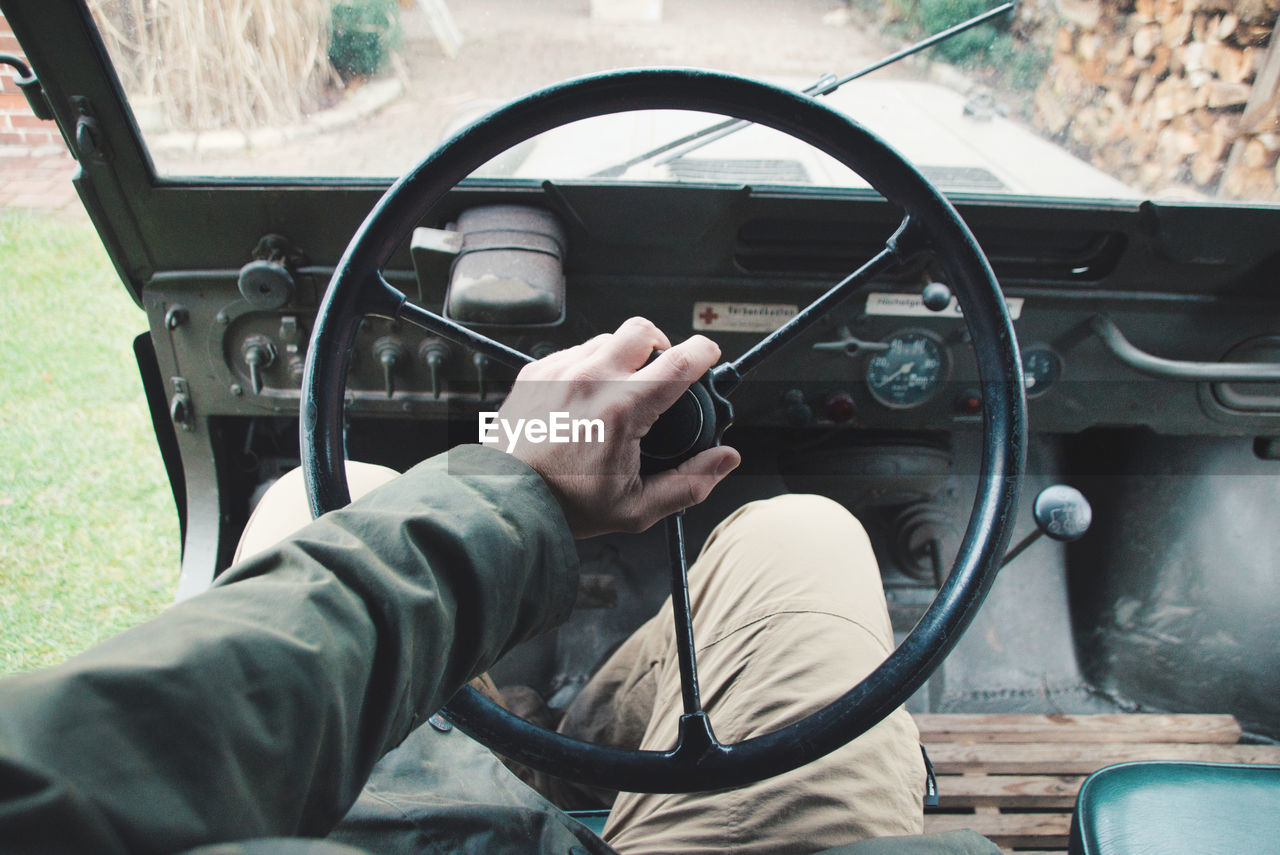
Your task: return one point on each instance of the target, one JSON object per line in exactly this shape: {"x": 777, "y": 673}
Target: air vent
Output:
{"x": 960, "y": 179}
{"x": 739, "y": 171}
{"x": 1058, "y": 256}
{"x": 819, "y": 246}
{"x": 807, "y": 246}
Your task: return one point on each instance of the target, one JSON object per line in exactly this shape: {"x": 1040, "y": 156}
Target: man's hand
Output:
{"x": 597, "y": 478}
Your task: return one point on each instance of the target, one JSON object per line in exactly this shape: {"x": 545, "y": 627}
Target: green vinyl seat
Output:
{"x": 1170, "y": 808}
{"x": 592, "y": 819}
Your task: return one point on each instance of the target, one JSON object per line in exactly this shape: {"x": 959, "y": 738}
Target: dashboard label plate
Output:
{"x": 742, "y": 317}
{"x": 912, "y": 306}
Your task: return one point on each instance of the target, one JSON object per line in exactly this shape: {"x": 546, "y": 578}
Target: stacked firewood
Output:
{"x": 1163, "y": 93}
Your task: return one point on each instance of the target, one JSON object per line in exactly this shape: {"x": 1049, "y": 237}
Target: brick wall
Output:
{"x": 18, "y": 127}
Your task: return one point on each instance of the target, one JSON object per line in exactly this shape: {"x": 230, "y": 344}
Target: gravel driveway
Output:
{"x": 509, "y": 48}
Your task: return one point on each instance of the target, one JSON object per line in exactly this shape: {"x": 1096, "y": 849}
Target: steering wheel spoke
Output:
{"x": 458, "y": 334}
{"x": 683, "y": 614}
{"x": 907, "y": 241}
{"x": 696, "y": 742}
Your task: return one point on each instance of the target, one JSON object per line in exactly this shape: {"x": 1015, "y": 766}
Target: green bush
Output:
{"x": 970, "y": 47}
{"x": 362, "y": 33}
{"x": 1003, "y": 55}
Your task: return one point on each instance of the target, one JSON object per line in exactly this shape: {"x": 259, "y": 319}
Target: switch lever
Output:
{"x": 390, "y": 353}
{"x": 434, "y": 353}
{"x": 258, "y": 353}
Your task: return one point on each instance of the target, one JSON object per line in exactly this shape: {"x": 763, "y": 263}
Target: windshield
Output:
{"x": 1098, "y": 100}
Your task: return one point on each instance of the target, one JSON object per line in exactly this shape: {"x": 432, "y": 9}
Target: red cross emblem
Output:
{"x": 708, "y": 315}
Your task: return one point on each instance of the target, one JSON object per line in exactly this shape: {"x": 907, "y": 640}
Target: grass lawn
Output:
{"x": 88, "y": 532}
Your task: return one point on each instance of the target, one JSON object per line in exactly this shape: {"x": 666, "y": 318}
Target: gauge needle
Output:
{"x": 905, "y": 369}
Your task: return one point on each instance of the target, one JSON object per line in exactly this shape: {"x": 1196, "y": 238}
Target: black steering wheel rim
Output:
{"x": 698, "y": 762}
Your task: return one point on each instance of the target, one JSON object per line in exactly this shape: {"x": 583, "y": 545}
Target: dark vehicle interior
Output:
{"x": 1147, "y": 337}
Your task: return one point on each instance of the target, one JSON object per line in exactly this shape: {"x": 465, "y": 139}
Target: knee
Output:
{"x": 365, "y": 477}
{"x": 289, "y": 492}
{"x": 804, "y": 514}
{"x": 283, "y": 508}
{"x": 803, "y": 510}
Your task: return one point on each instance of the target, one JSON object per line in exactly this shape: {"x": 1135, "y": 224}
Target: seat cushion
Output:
{"x": 1168, "y": 808}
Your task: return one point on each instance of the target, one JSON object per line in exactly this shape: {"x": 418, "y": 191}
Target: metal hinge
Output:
{"x": 29, "y": 85}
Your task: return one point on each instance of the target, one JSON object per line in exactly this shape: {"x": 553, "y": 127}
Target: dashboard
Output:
{"x": 1137, "y": 325}
{"x": 733, "y": 264}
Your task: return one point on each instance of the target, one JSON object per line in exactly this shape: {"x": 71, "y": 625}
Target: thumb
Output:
{"x": 689, "y": 483}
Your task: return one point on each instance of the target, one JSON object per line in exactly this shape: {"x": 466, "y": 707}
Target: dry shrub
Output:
{"x": 221, "y": 63}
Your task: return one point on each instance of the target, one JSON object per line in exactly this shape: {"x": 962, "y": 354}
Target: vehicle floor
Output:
{"x": 1018, "y": 656}
{"x": 1011, "y": 726}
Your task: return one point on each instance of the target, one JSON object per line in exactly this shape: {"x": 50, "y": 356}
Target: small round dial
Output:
{"x": 1041, "y": 368}
{"x": 909, "y": 372}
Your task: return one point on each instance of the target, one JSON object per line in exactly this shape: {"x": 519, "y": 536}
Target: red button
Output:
{"x": 969, "y": 404}
{"x": 840, "y": 407}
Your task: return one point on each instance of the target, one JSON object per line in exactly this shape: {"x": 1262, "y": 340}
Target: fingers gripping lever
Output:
{"x": 695, "y": 422}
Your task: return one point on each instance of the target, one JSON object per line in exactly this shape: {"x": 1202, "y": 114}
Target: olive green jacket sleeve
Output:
{"x": 259, "y": 707}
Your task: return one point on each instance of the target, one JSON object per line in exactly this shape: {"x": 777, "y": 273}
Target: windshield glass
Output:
{"x": 1098, "y": 99}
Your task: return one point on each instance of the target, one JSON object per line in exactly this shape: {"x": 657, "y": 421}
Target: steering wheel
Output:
{"x": 698, "y": 761}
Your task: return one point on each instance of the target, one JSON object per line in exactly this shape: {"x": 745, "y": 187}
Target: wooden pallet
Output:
{"x": 1014, "y": 778}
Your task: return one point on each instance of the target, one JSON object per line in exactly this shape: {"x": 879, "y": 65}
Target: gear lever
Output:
{"x": 1061, "y": 512}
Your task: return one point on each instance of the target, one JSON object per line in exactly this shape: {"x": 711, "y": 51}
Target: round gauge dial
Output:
{"x": 909, "y": 372}
{"x": 1041, "y": 368}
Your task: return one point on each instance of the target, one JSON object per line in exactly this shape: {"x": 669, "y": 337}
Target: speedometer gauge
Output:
{"x": 910, "y": 371}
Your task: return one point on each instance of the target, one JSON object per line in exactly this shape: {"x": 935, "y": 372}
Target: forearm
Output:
{"x": 259, "y": 707}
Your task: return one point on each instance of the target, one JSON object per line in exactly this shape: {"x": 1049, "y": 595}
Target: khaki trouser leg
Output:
{"x": 283, "y": 509}
{"x": 789, "y": 613}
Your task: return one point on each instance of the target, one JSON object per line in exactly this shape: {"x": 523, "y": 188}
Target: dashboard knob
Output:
{"x": 936, "y": 296}
{"x": 265, "y": 284}
{"x": 797, "y": 409}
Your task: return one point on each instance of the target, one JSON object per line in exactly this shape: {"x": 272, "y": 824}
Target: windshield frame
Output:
{"x": 151, "y": 223}
{"x": 335, "y": 177}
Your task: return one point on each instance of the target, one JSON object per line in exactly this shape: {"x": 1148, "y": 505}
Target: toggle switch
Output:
{"x": 258, "y": 353}
{"x": 389, "y": 353}
{"x": 434, "y": 354}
